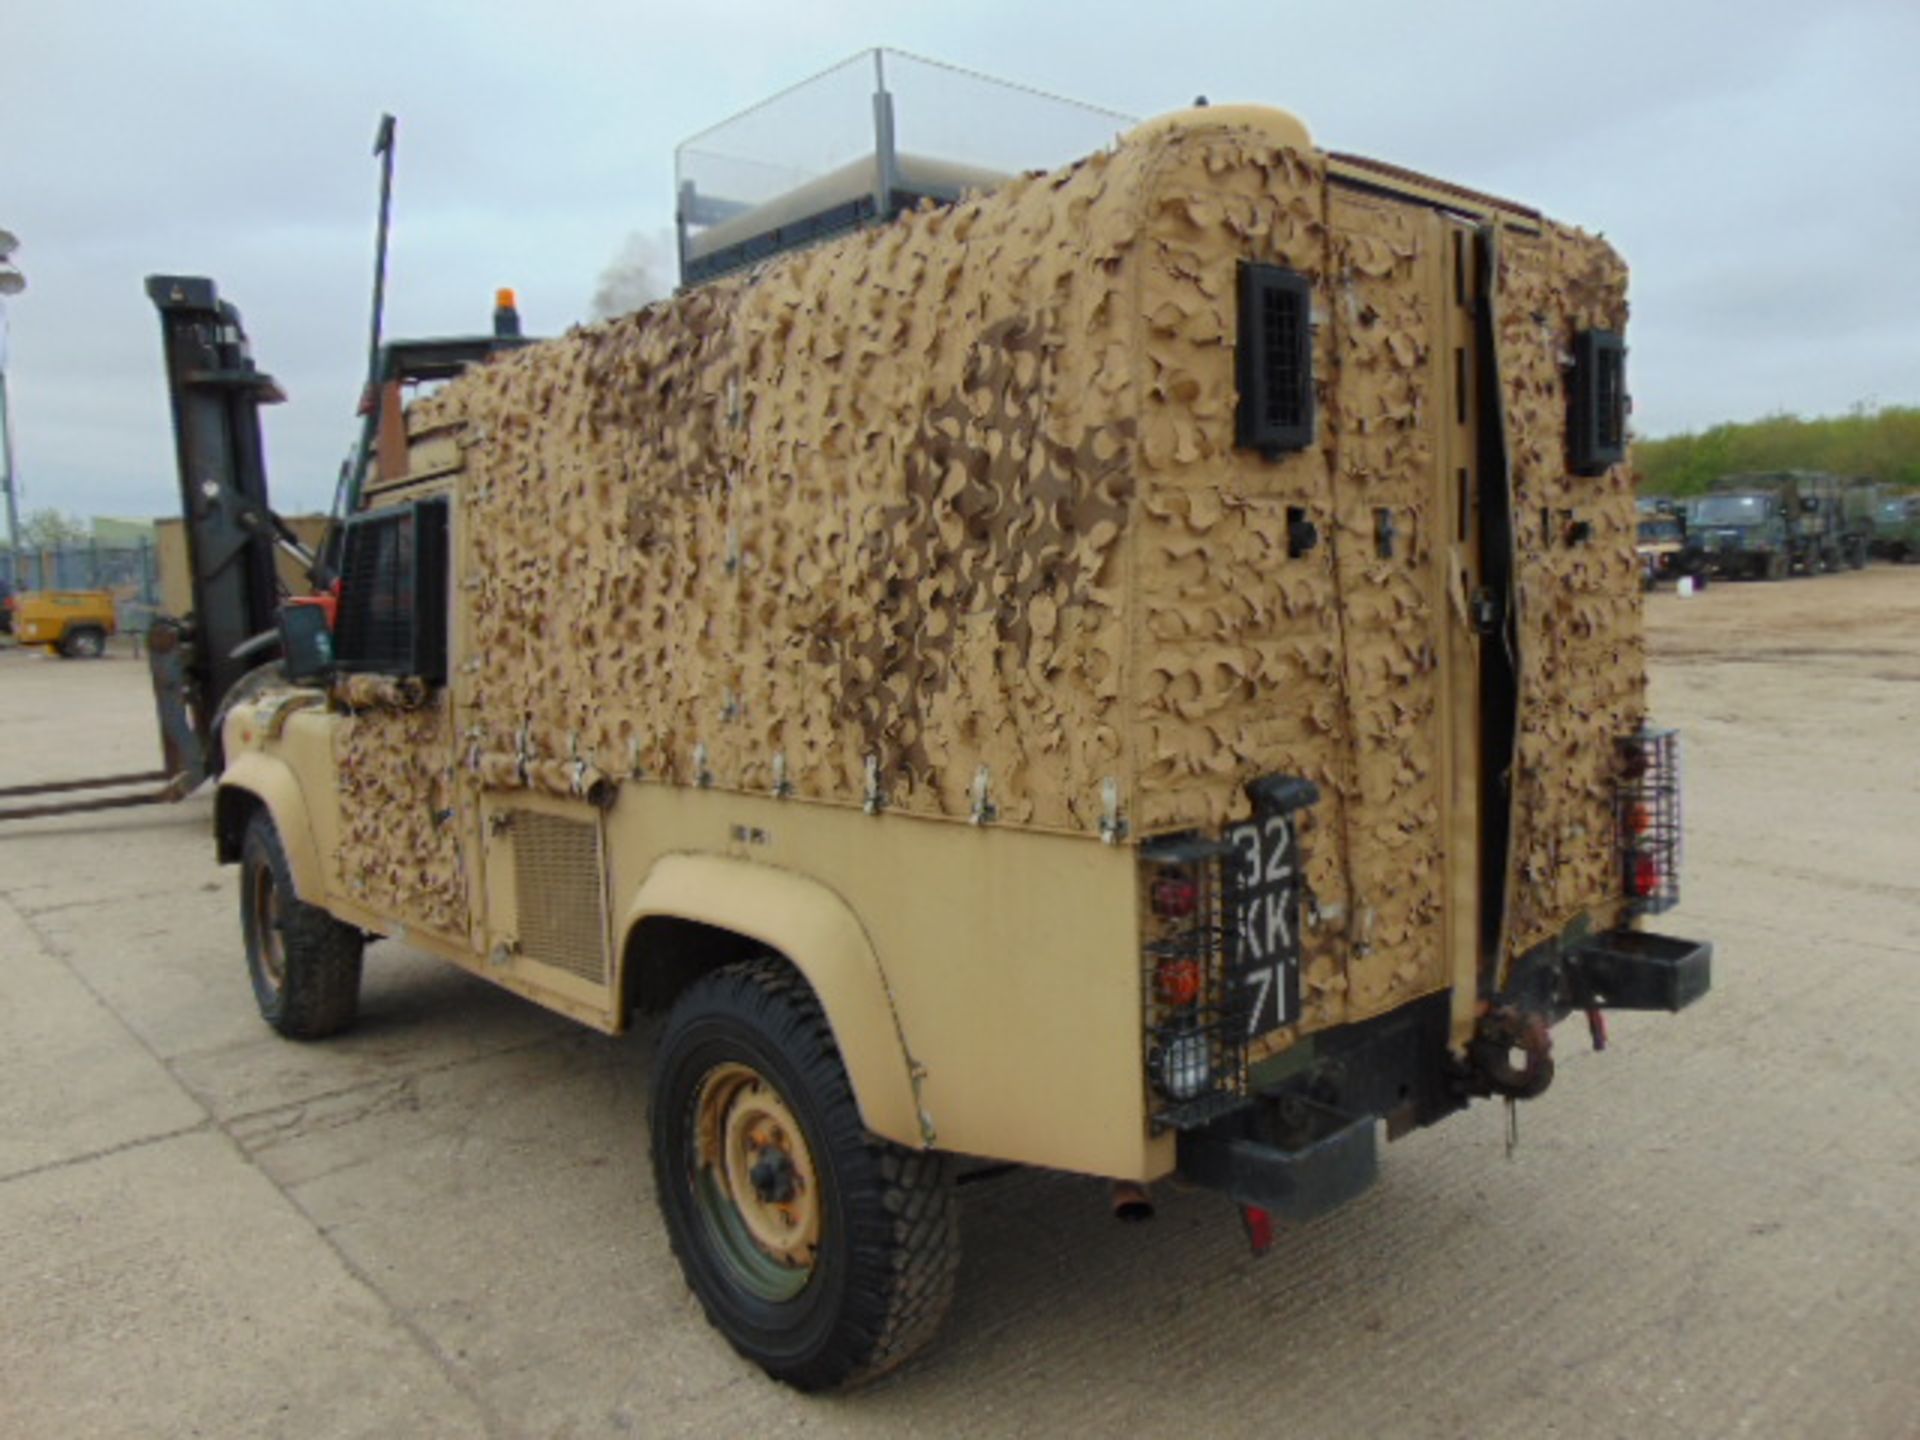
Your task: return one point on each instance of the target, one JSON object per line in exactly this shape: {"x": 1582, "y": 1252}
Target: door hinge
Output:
{"x": 1485, "y": 612}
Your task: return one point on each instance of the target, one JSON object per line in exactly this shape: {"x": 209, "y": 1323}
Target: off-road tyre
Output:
{"x": 881, "y": 1277}
{"x": 84, "y": 642}
{"x": 309, "y": 987}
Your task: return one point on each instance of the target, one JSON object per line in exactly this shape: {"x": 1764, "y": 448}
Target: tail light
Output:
{"x": 1647, "y": 812}
{"x": 1175, "y": 897}
{"x": 1196, "y": 1065}
{"x": 1220, "y": 935}
{"x": 1179, "y": 983}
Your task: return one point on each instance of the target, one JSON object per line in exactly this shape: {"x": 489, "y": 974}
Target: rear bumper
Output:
{"x": 1729, "y": 563}
{"x": 1308, "y": 1141}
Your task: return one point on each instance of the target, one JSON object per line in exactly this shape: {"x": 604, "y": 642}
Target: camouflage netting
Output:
{"x": 950, "y": 510}
{"x": 1251, "y": 662}
{"x": 1582, "y": 652}
{"x": 399, "y": 787}
{"x": 867, "y": 505}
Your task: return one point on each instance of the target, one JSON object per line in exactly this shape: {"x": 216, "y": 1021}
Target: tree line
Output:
{"x": 1883, "y": 444}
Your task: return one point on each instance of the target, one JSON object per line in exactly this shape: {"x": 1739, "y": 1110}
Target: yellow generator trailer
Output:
{"x": 1135, "y": 668}
{"x": 75, "y": 624}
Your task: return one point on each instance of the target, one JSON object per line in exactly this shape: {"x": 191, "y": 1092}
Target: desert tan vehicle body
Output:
{"x": 884, "y": 607}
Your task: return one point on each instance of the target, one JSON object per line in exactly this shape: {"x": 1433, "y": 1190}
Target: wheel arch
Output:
{"x": 254, "y": 782}
{"x": 694, "y": 913}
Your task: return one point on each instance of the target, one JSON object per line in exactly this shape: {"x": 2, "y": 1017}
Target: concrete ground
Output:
{"x": 442, "y": 1224}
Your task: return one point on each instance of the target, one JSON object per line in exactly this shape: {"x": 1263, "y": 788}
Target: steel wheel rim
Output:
{"x": 266, "y": 927}
{"x": 755, "y": 1186}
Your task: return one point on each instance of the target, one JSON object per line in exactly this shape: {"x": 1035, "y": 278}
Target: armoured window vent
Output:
{"x": 557, "y": 893}
{"x": 393, "y": 593}
{"x": 1275, "y": 360}
{"x": 1597, "y": 402}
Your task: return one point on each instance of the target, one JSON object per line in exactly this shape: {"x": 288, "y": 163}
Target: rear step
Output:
{"x": 1632, "y": 970}
{"x": 1337, "y": 1161}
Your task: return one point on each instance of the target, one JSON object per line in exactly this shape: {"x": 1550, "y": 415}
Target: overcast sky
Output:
{"x": 1755, "y": 162}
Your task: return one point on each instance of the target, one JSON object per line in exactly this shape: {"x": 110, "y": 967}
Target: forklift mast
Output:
{"x": 215, "y": 390}
{"x": 216, "y": 394}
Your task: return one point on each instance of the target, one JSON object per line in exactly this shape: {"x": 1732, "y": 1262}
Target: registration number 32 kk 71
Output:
{"x": 1263, "y": 891}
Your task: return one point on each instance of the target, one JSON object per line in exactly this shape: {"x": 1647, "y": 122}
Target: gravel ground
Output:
{"x": 442, "y": 1223}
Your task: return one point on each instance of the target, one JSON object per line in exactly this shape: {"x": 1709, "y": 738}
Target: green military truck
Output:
{"x": 1896, "y": 528}
{"x": 1771, "y": 524}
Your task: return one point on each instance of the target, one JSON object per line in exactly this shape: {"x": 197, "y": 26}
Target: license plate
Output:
{"x": 1263, "y": 892}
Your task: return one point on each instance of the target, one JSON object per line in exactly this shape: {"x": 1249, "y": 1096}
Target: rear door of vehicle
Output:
{"x": 1403, "y": 429}
{"x": 1576, "y": 603}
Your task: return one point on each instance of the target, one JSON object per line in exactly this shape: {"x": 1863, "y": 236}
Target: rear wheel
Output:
{"x": 824, "y": 1254}
{"x": 305, "y": 964}
{"x": 84, "y": 642}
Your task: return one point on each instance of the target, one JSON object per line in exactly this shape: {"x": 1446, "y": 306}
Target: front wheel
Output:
{"x": 305, "y": 965}
{"x": 824, "y": 1254}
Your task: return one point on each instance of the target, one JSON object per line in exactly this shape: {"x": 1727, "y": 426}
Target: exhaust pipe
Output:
{"x": 1131, "y": 1202}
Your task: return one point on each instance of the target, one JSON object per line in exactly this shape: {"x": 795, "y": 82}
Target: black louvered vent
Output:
{"x": 1597, "y": 402}
{"x": 393, "y": 593}
{"x": 1275, "y": 360}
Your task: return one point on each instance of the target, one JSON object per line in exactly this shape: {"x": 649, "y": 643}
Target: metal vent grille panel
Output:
{"x": 1286, "y": 375}
{"x": 1597, "y": 402}
{"x": 1274, "y": 361}
{"x": 558, "y": 894}
{"x": 1610, "y": 420}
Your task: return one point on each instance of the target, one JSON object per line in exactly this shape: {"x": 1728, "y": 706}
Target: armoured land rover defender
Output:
{"x": 1134, "y": 669}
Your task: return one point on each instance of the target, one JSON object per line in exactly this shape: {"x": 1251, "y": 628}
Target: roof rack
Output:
{"x": 855, "y": 146}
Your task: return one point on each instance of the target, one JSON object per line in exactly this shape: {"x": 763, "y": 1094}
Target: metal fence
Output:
{"x": 131, "y": 572}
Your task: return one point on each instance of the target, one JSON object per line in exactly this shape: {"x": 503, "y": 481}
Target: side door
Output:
{"x": 404, "y": 809}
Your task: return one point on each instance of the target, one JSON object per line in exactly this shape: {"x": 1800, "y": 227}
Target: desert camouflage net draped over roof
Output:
{"x": 960, "y": 494}
{"x": 870, "y": 503}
